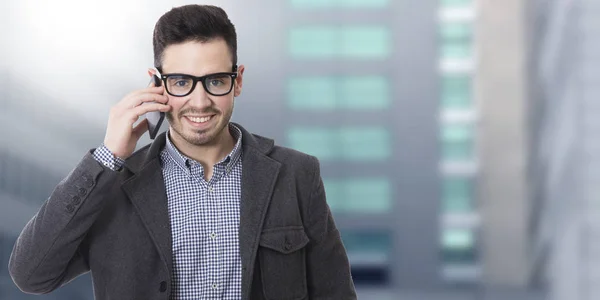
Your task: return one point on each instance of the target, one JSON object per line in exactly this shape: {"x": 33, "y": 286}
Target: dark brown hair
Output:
{"x": 201, "y": 23}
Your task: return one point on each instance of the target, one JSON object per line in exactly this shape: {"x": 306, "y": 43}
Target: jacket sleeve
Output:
{"x": 328, "y": 267}
{"x": 47, "y": 254}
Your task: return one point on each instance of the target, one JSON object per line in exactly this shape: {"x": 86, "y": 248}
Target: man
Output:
{"x": 207, "y": 211}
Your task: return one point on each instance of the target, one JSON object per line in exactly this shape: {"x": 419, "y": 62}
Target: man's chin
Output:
{"x": 200, "y": 137}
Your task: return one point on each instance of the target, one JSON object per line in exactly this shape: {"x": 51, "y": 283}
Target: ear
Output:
{"x": 239, "y": 81}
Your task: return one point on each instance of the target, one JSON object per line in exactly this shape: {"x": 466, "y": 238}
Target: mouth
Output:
{"x": 197, "y": 121}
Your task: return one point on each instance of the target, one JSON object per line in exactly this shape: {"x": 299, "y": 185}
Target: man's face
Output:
{"x": 200, "y": 118}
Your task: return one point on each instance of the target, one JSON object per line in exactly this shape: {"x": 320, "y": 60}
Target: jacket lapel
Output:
{"x": 259, "y": 174}
{"x": 146, "y": 190}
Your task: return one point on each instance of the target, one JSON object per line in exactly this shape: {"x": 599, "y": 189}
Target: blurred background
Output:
{"x": 457, "y": 138}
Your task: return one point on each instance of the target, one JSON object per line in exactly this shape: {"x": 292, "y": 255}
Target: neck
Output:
{"x": 209, "y": 154}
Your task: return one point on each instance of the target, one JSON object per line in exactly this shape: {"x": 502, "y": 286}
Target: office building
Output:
{"x": 564, "y": 130}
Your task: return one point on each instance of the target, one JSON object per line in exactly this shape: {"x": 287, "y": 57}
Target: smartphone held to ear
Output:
{"x": 155, "y": 118}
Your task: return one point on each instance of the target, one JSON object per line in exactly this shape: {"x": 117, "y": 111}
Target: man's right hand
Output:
{"x": 121, "y": 137}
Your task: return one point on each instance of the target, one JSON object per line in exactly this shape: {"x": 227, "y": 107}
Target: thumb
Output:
{"x": 140, "y": 128}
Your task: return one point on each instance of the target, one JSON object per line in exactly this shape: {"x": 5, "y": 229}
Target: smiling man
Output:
{"x": 206, "y": 211}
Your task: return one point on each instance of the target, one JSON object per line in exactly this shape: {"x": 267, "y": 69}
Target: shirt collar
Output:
{"x": 230, "y": 160}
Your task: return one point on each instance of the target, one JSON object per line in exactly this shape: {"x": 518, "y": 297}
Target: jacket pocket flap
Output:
{"x": 285, "y": 240}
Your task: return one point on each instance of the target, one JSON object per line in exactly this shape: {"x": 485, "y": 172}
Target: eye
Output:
{"x": 216, "y": 82}
{"x": 181, "y": 83}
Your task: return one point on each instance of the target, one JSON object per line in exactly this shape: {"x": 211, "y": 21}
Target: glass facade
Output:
{"x": 332, "y": 93}
{"x": 455, "y": 3}
{"x": 456, "y": 91}
{"x": 458, "y": 136}
{"x": 456, "y": 40}
{"x": 458, "y": 142}
{"x": 351, "y": 144}
{"x": 347, "y": 42}
{"x": 458, "y": 247}
{"x": 359, "y": 195}
{"x": 346, "y": 4}
{"x": 326, "y": 93}
{"x": 457, "y": 194}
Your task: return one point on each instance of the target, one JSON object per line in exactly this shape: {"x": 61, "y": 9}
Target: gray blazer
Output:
{"x": 116, "y": 225}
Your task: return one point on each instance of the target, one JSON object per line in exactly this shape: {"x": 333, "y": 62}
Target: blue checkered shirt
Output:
{"x": 204, "y": 221}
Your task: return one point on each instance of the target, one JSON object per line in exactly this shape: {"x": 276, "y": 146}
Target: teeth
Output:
{"x": 199, "y": 120}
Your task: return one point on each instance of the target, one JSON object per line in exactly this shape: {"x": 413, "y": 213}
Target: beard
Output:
{"x": 200, "y": 137}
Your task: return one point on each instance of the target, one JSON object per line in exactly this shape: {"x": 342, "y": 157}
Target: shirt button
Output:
{"x": 213, "y": 235}
{"x": 210, "y": 189}
{"x": 214, "y": 286}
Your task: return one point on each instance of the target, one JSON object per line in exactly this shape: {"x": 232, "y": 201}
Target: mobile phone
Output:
{"x": 155, "y": 118}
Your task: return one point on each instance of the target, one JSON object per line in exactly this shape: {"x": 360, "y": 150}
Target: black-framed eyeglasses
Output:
{"x": 216, "y": 84}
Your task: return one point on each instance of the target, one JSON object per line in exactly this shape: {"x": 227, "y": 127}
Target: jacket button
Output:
{"x": 76, "y": 200}
{"x": 163, "y": 286}
{"x": 287, "y": 245}
{"x": 70, "y": 208}
{"x": 82, "y": 192}
{"x": 88, "y": 180}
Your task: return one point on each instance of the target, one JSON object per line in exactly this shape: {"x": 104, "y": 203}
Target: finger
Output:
{"x": 151, "y": 97}
{"x": 140, "y": 99}
{"x": 143, "y": 109}
{"x": 140, "y": 128}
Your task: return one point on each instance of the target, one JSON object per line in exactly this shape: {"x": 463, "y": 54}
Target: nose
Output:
{"x": 199, "y": 98}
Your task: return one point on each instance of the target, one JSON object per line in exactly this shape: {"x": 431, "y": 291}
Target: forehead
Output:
{"x": 197, "y": 58}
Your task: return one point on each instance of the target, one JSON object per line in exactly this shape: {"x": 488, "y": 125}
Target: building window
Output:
{"x": 369, "y": 254}
{"x": 342, "y": 144}
{"x": 321, "y": 4}
{"x": 329, "y": 93}
{"x": 457, "y": 194}
{"x": 349, "y": 196}
{"x": 456, "y": 40}
{"x": 349, "y": 42}
{"x": 458, "y": 247}
{"x": 456, "y": 91}
{"x": 455, "y": 3}
{"x": 457, "y": 142}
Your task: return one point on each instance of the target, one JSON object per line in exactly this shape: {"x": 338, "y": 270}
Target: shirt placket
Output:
{"x": 229, "y": 213}
{"x": 215, "y": 284}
